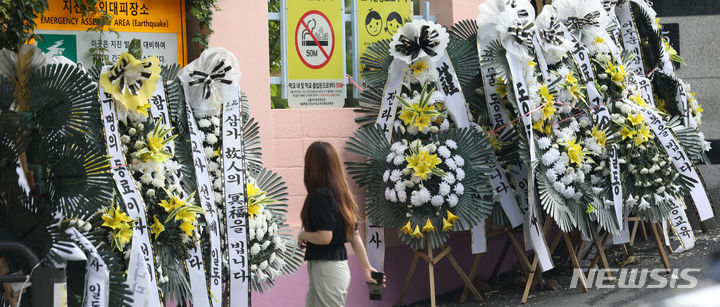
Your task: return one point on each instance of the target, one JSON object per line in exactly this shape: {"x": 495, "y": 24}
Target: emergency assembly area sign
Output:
{"x": 380, "y": 19}
{"x": 159, "y": 24}
{"x": 315, "y": 55}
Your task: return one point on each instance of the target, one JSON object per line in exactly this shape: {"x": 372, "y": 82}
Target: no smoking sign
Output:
{"x": 314, "y": 39}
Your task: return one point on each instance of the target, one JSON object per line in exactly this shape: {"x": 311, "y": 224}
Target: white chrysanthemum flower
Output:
{"x": 567, "y": 179}
{"x": 550, "y": 157}
{"x": 218, "y": 198}
{"x": 451, "y": 144}
{"x": 444, "y": 152}
{"x": 444, "y": 188}
{"x": 445, "y": 125}
{"x": 215, "y": 120}
{"x": 386, "y": 175}
{"x": 255, "y": 249}
{"x": 551, "y": 175}
{"x": 459, "y": 160}
{"x": 569, "y": 192}
{"x": 204, "y": 123}
{"x": 450, "y": 164}
{"x": 415, "y": 199}
{"x": 391, "y": 196}
{"x": 265, "y": 245}
{"x": 544, "y": 143}
{"x": 459, "y": 174}
{"x": 401, "y": 195}
{"x": 459, "y": 189}
{"x": 437, "y": 200}
{"x": 211, "y": 138}
{"x": 395, "y": 175}
{"x": 559, "y": 187}
{"x": 452, "y": 200}
{"x": 209, "y": 152}
{"x": 449, "y": 177}
{"x": 398, "y": 160}
{"x": 390, "y": 157}
{"x": 424, "y": 195}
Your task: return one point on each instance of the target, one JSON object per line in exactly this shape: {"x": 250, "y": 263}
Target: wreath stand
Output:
{"x": 432, "y": 259}
{"x": 656, "y": 231}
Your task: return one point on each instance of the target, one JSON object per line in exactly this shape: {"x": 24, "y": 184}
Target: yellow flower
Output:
{"x": 452, "y": 218}
{"x": 589, "y": 208}
{"x": 123, "y": 234}
{"x": 660, "y": 104}
{"x": 599, "y": 135}
{"x": 541, "y": 127}
{"x": 218, "y": 152}
{"x": 638, "y": 100}
{"x": 598, "y": 40}
{"x": 428, "y": 226}
{"x": 115, "y": 218}
{"x": 697, "y": 110}
{"x": 187, "y": 215}
{"x": 532, "y": 63}
{"x": 548, "y": 110}
{"x": 418, "y": 116}
{"x": 643, "y": 135}
{"x": 407, "y": 229}
{"x": 174, "y": 203}
{"x": 545, "y": 94}
{"x": 447, "y": 226}
{"x": 418, "y": 67}
{"x": 131, "y": 82}
{"x": 636, "y": 119}
{"x": 570, "y": 79}
{"x": 576, "y": 92}
{"x": 416, "y": 234}
{"x": 422, "y": 162}
{"x": 575, "y": 152}
{"x": 187, "y": 227}
{"x": 617, "y": 74}
{"x": 251, "y": 189}
{"x": 627, "y": 133}
{"x": 155, "y": 143}
{"x": 254, "y": 209}
{"x": 156, "y": 228}
{"x": 500, "y": 87}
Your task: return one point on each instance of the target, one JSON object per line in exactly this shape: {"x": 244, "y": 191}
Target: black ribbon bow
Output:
{"x": 590, "y": 19}
{"x": 216, "y": 75}
{"x": 551, "y": 35}
{"x": 118, "y": 72}
{"x": 426, "y": 41}
{"x": 522, "y": 30}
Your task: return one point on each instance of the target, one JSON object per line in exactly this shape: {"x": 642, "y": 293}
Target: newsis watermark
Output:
{"x": 626, "y": 278}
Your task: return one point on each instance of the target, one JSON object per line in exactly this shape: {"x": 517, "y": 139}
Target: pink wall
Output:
{"x": 241, "y": 27}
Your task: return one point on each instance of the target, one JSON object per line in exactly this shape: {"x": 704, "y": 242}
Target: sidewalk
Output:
{"x": 506, "y": 289}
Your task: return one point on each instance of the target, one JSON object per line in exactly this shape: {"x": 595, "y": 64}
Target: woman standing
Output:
{"x": 329, "y": 220}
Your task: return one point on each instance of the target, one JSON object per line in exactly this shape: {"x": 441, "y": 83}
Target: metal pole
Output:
{"x": 356, "y": 47}
{"x": 283, "y": 49}
{"x": 426, "y": 11}
{"x": 344, "y": 51}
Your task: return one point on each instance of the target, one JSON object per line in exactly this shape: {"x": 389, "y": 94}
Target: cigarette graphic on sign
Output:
{"x": 314, "y": 39}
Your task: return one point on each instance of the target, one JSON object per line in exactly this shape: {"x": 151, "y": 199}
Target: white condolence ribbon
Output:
{"x": 235, "y": 206}
{"x": 681, "y": 161}
{"x": 681, "y": 226}
{"x": 141, "y": 279}
{"x": 523, "y": 100}
{"x": 97, "y": 277}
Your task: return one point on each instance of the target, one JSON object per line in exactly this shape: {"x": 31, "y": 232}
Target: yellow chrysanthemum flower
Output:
{"x": 422, "y": 163}
{"x": 416, "y": 234}
{"x": 627, "y": 133}
{"x": 638, "y": 100}
{"x": 575, "y": 152}
{"x": 428, "y": 226}
{"x": 407, "y": 229}
{"x": 599, "y": 135}
{"x": 253, "y": 210}
{"x": 636, "y": 119}
{"x": 131, "y": 82}
{"x": 156, "y": 228}
{"x": 115, "y": 218}
{"x": 187, "y": 227}
{"x": 418, "y": 67}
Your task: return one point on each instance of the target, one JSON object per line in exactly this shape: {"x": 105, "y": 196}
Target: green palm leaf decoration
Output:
{"x": 375, "y": 62}
{"x": 63, "y": 101}
{"x": 175, "y": 98}
{"x": 688, "y": 138}
{"x": 274, "y": 187}
{"x": 7, "y": 87}
{"x": 80, "y": 179}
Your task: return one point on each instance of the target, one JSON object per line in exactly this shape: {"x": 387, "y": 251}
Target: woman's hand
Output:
{"x": 370, "y": 280}
{"x": 302, "y": 244}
